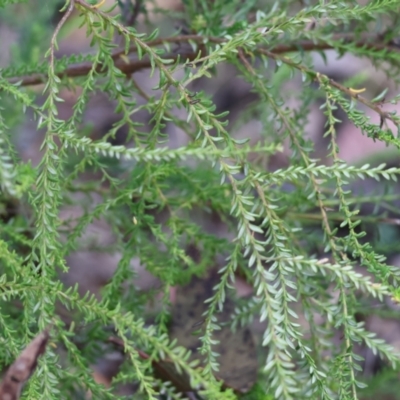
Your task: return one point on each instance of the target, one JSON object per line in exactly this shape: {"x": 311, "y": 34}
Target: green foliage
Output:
{"x": 299, "y": 236}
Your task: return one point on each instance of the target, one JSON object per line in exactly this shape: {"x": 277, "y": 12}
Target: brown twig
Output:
{"x": 319, "y": 77}
{"x": 57, "y": 30}
{"x": 163, "y": 369}
{"x": 373, "y": 106}
{"x": 82, "y": 69}
{"x": 129, "y": 66}
{"x": 373, "y": 41}
{"x": 136, "y": 9}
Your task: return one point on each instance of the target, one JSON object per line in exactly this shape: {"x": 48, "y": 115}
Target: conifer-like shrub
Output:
{"x": 210, "y": 175}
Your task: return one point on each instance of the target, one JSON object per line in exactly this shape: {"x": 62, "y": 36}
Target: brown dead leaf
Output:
{"x": 23, "y": 367}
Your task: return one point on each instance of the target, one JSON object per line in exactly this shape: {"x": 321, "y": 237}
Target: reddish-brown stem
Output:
{"x": 129, "y": 66}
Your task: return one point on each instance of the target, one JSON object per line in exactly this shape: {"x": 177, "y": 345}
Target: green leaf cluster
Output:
{"x": 296, "y": 233}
